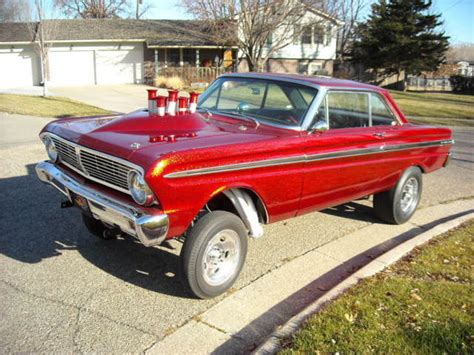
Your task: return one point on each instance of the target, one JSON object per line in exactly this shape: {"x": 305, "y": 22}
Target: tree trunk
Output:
{"x": 250, "y": 64}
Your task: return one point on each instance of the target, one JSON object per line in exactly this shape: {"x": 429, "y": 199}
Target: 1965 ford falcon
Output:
{"x": 260, "y": 148}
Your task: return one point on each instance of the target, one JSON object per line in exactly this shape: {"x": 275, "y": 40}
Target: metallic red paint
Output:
{"x": 189, "y": 141}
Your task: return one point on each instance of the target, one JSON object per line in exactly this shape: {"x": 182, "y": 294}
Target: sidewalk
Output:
{"x": 243, "y": 320}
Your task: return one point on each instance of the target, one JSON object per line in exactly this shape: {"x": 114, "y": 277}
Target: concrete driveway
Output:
{"x": 62, "y": 290}
{"x": 118, "y": 98}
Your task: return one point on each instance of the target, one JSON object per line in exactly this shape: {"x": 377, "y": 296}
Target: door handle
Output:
{"x": 379, "y": 134}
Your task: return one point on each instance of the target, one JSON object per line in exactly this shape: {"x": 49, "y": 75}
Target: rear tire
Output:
{"x": 214, "y": 253}
{"x": 397, "y": 205}
{"x": 96, "y": 227}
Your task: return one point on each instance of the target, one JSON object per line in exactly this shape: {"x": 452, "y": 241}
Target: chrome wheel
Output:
{"x": 410, "y": 193}
{"x": 221, "y": 257}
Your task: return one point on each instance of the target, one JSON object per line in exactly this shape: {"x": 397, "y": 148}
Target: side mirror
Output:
{"x": 320, "y": 126}
{"x": 242, "y": 107}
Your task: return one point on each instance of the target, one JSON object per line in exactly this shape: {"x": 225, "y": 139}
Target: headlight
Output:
{"x": 139, "y": 189}
{"x": 51, "y": 149}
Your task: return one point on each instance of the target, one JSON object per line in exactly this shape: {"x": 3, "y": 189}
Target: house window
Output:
{"x": 189, "y": 56}
{"x": 173, "y": 57}
{"x": 318, "y": 35}
{"x": 314, "y": 68}
{"x": 270, "y": 39}
{"x": 306, "y": 36}
{"x": 296, "y": 34}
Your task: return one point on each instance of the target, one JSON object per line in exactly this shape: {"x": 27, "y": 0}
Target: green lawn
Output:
{"x": 422, "y": 305}
{"x": 48, "y": 107}
{"x": 436, "y": 106}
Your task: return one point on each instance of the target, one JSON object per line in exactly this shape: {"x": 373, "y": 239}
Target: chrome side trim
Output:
{"x": 150, "y": 229}
{"x": 305, "y": 158}
{"x": 78, "y": 148}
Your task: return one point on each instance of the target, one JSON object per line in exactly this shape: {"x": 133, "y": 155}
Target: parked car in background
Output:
{"x": 260, "y": 148}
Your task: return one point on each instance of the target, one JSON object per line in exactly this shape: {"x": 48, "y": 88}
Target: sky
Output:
{"x": 458, "y": 16}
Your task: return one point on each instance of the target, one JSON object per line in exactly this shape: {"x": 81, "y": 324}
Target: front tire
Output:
{"x": 398, "y": 205}
{"x": 97, "y": 228}
{"x": 214, "y": 253}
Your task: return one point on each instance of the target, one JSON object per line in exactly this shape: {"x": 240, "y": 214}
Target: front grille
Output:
{"x": 99, "y": 167}
{"x": 67, "y": 153}
{"x": 105, "y": 169}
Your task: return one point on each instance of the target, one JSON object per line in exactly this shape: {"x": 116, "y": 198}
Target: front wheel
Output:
{"x": 214, "y": 253}
{"x": 397, "y": 205}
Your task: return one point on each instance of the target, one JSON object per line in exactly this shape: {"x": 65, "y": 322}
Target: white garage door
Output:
{"x": 119, "y": 66}
{"x": 71, "y": 68}
{"x": 17, "y": 69}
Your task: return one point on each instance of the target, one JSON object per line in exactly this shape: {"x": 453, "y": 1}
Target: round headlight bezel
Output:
{"x": 51, "y": 149}
{"x": 139, "y": 189}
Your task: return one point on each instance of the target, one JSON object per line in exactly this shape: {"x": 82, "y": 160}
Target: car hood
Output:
{"x": 142, "y": 138}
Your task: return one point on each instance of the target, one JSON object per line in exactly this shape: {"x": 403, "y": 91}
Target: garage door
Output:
{"x": 17, "y": 69}
{"x": 71, "y": 68}
{"x": 119, "y": 66}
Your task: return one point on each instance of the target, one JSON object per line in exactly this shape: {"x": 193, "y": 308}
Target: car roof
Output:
{"x": 309, "y": 79}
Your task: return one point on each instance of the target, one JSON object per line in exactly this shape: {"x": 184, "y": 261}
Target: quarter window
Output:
{"x": 381, "y": 114}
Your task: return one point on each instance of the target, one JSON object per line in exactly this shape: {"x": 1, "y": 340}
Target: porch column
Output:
{"x": 157, "y": 63}
{"x": 181, "y": 63}
{"x": 166, "y": 57}
{"x": 197, "y": 58}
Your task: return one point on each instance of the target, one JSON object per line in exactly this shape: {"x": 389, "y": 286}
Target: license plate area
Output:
{"x": 80, "y": 202}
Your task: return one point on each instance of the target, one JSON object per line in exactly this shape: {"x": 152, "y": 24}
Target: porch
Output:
{"x": 192, "y": 64}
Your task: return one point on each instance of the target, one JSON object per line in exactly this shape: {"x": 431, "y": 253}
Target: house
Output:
{"x": 124, "y": 51}
{"x": 95, "y": 52}
{"x": 312, "y": 50}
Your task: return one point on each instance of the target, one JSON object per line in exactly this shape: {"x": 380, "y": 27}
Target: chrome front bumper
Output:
{"x": 150, "y": 229}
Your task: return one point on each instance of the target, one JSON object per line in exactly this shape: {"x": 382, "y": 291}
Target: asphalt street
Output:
{"x": 64, "y": 290}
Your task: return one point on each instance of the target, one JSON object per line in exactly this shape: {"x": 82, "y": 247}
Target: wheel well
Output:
{"x": 222, "y": 202}
{"x": 420, "y": 167}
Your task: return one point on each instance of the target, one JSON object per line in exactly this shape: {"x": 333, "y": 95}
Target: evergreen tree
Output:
{"x": 401, "y": 36}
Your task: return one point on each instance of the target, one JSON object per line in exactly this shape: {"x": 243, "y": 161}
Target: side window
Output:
{"x": 381, "y": 114}
{"x": 348, "y": 110}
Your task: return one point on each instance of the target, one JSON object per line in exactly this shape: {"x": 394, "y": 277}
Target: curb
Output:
{"x": 256, "y": 317}
{"x": 274, "y": 342}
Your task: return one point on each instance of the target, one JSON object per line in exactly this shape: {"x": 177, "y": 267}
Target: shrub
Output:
{"x": 463, "y": 84}
{"x": 172, "y": 82}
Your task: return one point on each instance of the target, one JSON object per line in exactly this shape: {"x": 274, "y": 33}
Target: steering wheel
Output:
{"x": 291, "y": 119}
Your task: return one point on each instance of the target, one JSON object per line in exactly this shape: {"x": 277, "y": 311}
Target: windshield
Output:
{"x": 272, "y": 101}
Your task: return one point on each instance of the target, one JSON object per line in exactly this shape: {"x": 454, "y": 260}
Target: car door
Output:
{"x": 343, "y": 162}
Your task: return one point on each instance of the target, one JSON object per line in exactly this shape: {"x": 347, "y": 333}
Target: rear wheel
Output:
{"x": 397, "y": 205}
{"x": 214, "y": 253}
{"x": 97, "y": 228}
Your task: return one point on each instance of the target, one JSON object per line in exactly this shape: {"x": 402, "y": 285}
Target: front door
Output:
{"x": 346, "y": 161}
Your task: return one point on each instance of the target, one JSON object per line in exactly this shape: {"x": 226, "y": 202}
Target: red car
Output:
{"x": 259, "y": 149}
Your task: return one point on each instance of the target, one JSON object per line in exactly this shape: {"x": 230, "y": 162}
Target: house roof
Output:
{"x": 155, "y": 32}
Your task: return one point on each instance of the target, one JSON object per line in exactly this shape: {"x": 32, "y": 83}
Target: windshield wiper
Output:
{"x": 207, "y": 111}
{"x": 247, "y": 118}
{"x": 231, "y": 114}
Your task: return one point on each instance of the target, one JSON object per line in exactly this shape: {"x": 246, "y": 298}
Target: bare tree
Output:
{"x": 10, "y": 10}
{"x": 259, "y": 27}
{"x": 349, "y": 11}
{"x": 42, "y": 31}
{"x": 141, "y": 9}
{"x": 95, "y": 8}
